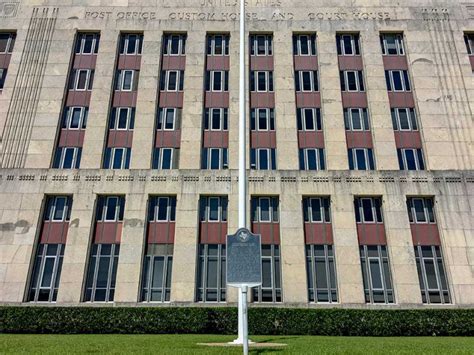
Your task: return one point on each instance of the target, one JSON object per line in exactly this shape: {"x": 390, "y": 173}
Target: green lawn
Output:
{"x": 186, "y": 344}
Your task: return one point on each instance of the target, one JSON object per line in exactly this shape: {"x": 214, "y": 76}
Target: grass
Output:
{"x": 187, "y": 344}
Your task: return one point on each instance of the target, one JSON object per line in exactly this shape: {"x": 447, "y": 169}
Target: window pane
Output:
{"x": 431, "y": 274}
{"x": 261, "y": 77}
{"x": 174, "y": 44}
{"x": 162, "y": 209}
{"x": 261, "y": 45}
{"x": 356, "y": 119}
{"x": 111, "y": 208}
{"x": 309, "y": 119}
{"x": 88, "y": 41}
{"x": 213, "y": 209}
{"x": 48, "y": 272}
{"x": 75, "y": 117}
{"x": 266, "y": 273}
{"x": 127, "y": 80}
{"x": 367, "y": 208}
{"x": 306, "y": 81}
{"x": 375, "y": 274}
{"x": 68, "y": 158}
{"x": 158, "y": 265}
{"x": 172, "y": 84}
{"x": 218, "y": 45}
{"x": 81, "y": 83}
{"x": 216, "y": 119}
{"x": 316, "y": 210}
{"x": 404, "y": 122}
{"x": 169, "y": 119}
{"x": 304, "y": 45}
{"x": 264, "y": 210}
{"x": 419, "y": 210}
{"x": 351, "y": 81}
{"x": 217, "y": 83}
{"x": 311, "y": 153}
{"x": 263, "y": 159}
{"x": 397, "y": 81}
{"x": 3, "y": 42}
{"x": 59, "y": 209}
{"x": 262, "y": 120}
{"x": 214, "y": 158}
{"x": 166, "y": 159}
{"x": 321, "y": 276}
{"x": 410, "y": 159}
{"x": 103, "y": 272}
{"x": 347, "y": 44}
{"x": 122, "y": 119}
{"x": 360, "y": 156}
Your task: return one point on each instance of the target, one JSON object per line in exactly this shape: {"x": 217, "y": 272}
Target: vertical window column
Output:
{"x": 376, "y": 275}
{"x": 262, "y": 103}
{"x": 265, "y": 221}
{"x": 354, "y": 100}
{"x": 215, "y": 142}
{"x": 211, "y": 272}
{"x": 428, "y": 252}
{"x": 76, "y": 104}
{"x": 402, "y": 103}
{"x": 320, "y": 260}
{"x": 7, "y": 42}
{"x": 105, "y": 249}
{"x": 124, "y": 101}
{"x": 46, "y": 272}
{"x": 170, "y": 102}
{"x": 158, "y": 259}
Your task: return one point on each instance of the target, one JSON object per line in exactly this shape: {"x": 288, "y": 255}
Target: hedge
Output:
{"x": 223, "y": 320}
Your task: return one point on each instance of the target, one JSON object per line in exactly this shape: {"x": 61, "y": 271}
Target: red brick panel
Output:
{"x": 119, "y": 138}
{"x": 270, "y": 232}
{"x": 395, "y": 62}
{"x": 177, "y": 62}
{"x": 362, "y": 139}
{"x": 305, "y": 62}
{"x": 350, "y": 62}
{"x": 78, "y": 98}
{"x": 218, "y": 62}
{"x": 125, "y": 99}
{"x": 167, "y": 139}
{"x": 171, "y": 99}
{"x": 318, "y": 233}
{"x": 215, "y": 139}
{"x": 5, "y": 60}
{"x": 408, "y": 139}
{"x": 308, "y": 99}
{"x": 425, "y": 234}
{"x": 54, "y": 232}
{"x": 401, "y": 99}
{"x": 160, "y": 232}
{"x": 71, "y": 138}
{"x": 310, "y": 139}
{"x": 108, "y": 232}
{"x": 261, "y": 62}
{"x": 212, "y": 232}
{"x": 371, "y": 234}
{"x": 354, "y": 99}
{"x": 129, "y": 62}
{"x": 263, "y": 139}
{"x": 216, "y": 99}
{"x": 82, "y": 61}
{"x": 262, "y": 99}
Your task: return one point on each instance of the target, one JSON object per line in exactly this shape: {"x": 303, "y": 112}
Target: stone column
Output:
{"x": 144, "y": 131}
{"x": 379, "y": 106}
{"x": 76, "y": 253}
{"x": 331, "y": 102}
{"x": 97, "y": 121}
{"x": 285, "y": 106}
{"x": 131, "y": 248}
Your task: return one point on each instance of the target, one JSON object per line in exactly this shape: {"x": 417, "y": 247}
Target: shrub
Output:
{"x": 223, "y": 320}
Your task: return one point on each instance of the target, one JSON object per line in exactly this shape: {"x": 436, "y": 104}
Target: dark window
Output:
{"x": 75, "y": 117}
{"x": 311, "y": 159}
{"x": 117, "y": 158}
{"x": 211, "y": 274}
{"x": 165, "y": 158}
{"x": 216, "y": 119}
{"x": 265, "y": 209}
{"x": 316, "y": 209}
{"x": 397, "y": 80}
{"x": 110, "y": 208}
{"x": 67, "y": 158}
{"x": 306, "y": 81}
{"x": 214, "y": 158}
{"x": 368, "y": 209}
{"x": 102, "y": 273}
{"x": 321, "y": 273}
{"x": 157, "y": 267}
{"x": 162, "y": 209}
{"x": 81, "y": 79}
{"x": 131, "y": 44}
{"x": 404, "y": 119}
{"x": 469, "y": 40}
{"x": 217, "y": 80}
{"x": 3, "y": 76}
{"x": 7, "y": 42}
{"x": 174, "y": 44}
{"x": 169, "y": 118}
{"x": 262, "y": 119}
{"x": 218, "y": 44}
{"x": 213, "y": 208}
{"x": 87, "y": 43}
{"x": 309, "y": 119}
{"x": 348, "y": 44}
{"x": 122, "y": 118}
{"x": 58, "y": 208}
{"x": 270, "y": 291}
{"x": 304, "y": 44}
{"x": 46, "y": 273}
{"x": 261, "y": 81}
{"x": 263, "y": 159}
{"x": 431, "y": 274}
{"x": 261, "y": 45}
{"x": 376, "y": 274}
{"x": 420, "y": 210}
{"x": 356, "y": 119}
{"x": 352, "y": 80}
{"x": 392, "y": 44}
{"x": 410, "y": 159}
{"x": 361, "y": 159}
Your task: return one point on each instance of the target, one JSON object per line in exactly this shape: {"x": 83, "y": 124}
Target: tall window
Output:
{"x": 270, "y": 291}
{"x": 261, "y": 45}
{"x": 265, "y": 209}
{"x": 431, "y": 274}
{"x": 392, "y": 44}
{"x": 263, "y": 159}
{"x": 122, "y": 118}
{"x": 261, "y": 81}
{"x": 7, "y": 42}
{"x": 368, "y": 210}
{"x": 81, "y": 79}
{"x": 404, "y": 119}
{"x": 469, "y": 40}
{"x": 211, "y": 281}
{"x": 217, "y": 80}
{"x": 321, "y": 273}
{"x": 420, "y": 210}
{"x": 262, "y": 119}
{"x": 87, "y": 43}
{"x": 348, "y": 44}
{"x": 376, "y": 274}
{"x": 410, "y": 159}
{"x": 213, "y": 209}
{"x": 162, "y": 209}
{"x": 218, "y": 44}
{"x": 309, "y": 119}
{"x": 306, "y": 81}
{"x": 169, "y": 118}
{"x": 110, "y": 208}
{"x": 75, "y": 117}
{"x": 316, "y": 210}
{"x": 126, "y": 80}
{"x": 352, "y": 80}
{"x": 397, "y": 80}
{"x": 311, "y": 159}
{"x": 356, "y": 119}
{"x": 165, "y": 158}
{"x": 172, "y": 80}
{"x": 214, "y": 158}
{"x": 361, "y": 159}
{"x": 157, "y": 267}
{"x": 304, "y": 44}
{"x": 174, "y": 44}
{"x": 117, "y": 158}
{"x": 67, "y": 158}
{"x": 131, "y": 44}
{"x": 216, "y": 119}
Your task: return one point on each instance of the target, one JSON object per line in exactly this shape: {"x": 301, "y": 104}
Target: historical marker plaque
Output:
{"x": 244, "y": 255}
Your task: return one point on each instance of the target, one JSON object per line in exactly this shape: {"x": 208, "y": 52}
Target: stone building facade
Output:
{"x": 119, "y": 151}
